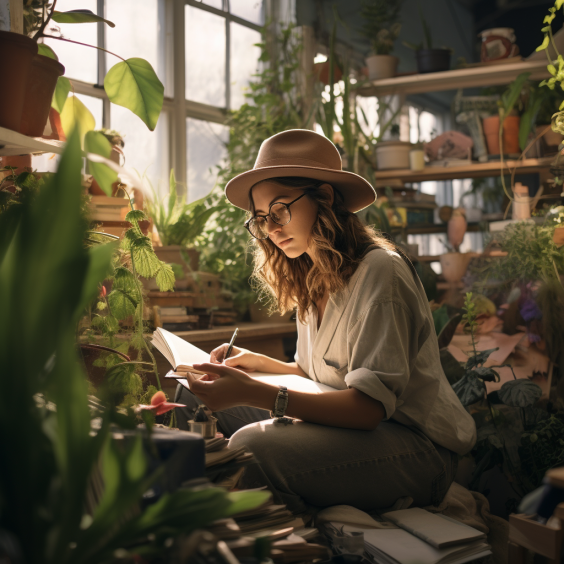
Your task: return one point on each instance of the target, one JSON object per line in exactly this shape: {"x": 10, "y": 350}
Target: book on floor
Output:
{"x": 436, "y": 529}
{"x": 182, "y": 355}
{"x": 398, "y": 546}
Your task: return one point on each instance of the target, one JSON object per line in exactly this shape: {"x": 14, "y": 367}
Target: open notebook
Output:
{"x": 182, "y": 356}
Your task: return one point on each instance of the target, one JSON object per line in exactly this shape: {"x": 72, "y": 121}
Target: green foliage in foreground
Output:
{"x": 47, "y": 278}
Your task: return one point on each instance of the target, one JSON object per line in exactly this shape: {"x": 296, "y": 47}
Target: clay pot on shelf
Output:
{"x": 432, "y": 60}
{"x": 40, "y": 88}
{"x": 393, "y": 154}
{"x": 321, "y": 70}
{"x": 558, "y": 236}
{"x": 18, "y": 52}
{"x": 173, "y": 254}
{"x": 381, "y": 66}
{"x": 454, "y": 265}
{"x": 550, "y": 139}
{"x": 510, "y": 135}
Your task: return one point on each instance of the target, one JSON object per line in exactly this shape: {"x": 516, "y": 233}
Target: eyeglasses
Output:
{"x": 278, "y": 212}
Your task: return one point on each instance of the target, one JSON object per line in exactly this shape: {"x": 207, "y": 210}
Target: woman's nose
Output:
{"x": 271, "y": 226}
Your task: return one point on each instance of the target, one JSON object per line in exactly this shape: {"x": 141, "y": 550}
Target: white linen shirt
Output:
{"x": 377, "y": 335}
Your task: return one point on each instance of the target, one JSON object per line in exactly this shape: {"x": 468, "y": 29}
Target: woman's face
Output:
{"x": 292, "y": 238}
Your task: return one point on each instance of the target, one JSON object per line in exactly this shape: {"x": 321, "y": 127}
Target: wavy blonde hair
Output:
{"x": 339, "y": 240}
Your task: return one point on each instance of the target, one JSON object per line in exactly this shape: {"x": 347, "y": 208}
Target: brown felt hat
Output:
{"x": 303, "y": 153}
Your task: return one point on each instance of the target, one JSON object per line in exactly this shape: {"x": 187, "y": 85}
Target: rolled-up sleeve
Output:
{"x": 382, "y": 346}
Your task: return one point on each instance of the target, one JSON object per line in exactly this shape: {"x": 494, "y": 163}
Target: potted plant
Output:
{"x": 178, "y": 225}
{"x": 381, "y": 27}
{"x": 502, "y": 130}
{"x": 131, "y": 83}
{"x": 429, "y": 59}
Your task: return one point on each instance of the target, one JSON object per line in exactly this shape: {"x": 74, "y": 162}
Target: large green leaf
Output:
{"x": 469, "y": 389}
{"x": 165, "y": 278}
{"x": 134, "y": 85}
{"x": 46, "y": 51}
{"x": 79, "y": 16}
{"x": 95, "y": 142}
{"x": 76, "y": 114}
{"x": 121, "y": 304}
{"x": 61, "y": 93}
{"x": 145, "y": 259}
{"x": 519, "y": 393}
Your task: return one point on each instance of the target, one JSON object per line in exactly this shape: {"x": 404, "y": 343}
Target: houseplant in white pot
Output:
{"x": 381, "y": 26}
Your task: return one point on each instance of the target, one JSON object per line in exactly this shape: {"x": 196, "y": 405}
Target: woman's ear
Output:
{"x": 328, "y": 189}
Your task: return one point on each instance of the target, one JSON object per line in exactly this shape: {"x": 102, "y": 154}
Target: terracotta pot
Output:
{"x": 173, "y": 253}
{"x": 382, "y": 66}
{"x": 558, "y": 236}
{"x": 321, "y": 70}
{"x": 22, "y": 163}
{"x": 454, "y": 265}
{"x": 40, "y": 88}
{"x": 550, "y": 139}
{"x": 16, "y": 53}
{"x": 510, "y": 134}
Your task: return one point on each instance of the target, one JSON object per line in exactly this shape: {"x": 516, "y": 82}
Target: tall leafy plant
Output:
{"x": 50, "y": 455}
{"x": 176, "y": 221}
{"x": 381, "y": 24}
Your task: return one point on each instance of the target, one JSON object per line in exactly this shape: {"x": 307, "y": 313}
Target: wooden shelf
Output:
{"x": 14, "y": 143}
{"x": 474, "y": 170}
{"x": 486, "y": 75}
{"x": 427, "y": 229}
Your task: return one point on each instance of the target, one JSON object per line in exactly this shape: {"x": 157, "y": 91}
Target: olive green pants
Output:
{"x": 306, "y": 465}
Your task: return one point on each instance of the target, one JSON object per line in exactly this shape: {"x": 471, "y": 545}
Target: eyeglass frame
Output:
{"x": 268, "y": 215}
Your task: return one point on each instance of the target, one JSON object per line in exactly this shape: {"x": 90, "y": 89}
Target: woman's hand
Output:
{"x": 240, "y": 358}
{"x": 222, "y": 386}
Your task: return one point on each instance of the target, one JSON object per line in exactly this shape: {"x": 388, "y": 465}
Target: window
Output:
{"x": 218, "y": 53}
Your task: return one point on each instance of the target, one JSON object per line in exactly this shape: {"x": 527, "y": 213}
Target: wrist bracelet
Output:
{"x": 281, "y": 403}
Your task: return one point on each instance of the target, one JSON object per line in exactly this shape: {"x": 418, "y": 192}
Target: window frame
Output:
{"x": 176, "y": 107}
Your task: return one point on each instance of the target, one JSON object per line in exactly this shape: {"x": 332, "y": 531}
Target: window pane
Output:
{"x": 244, "y": 59}
{"x": 80, "y": 62}
{"x": 214, "y": 3}
{"x": 145, "y": 151}
{"x": 137, "y": 32}
{"x": 251, "y": 10}
{"x": 205, "y": 57}
{"x": 206, "y": 149}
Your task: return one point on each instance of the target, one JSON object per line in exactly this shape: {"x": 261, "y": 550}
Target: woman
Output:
{"x": 393, "y": 428}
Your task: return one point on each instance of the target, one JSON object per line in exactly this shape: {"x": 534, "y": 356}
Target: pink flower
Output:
{"x": 159, "y": 404}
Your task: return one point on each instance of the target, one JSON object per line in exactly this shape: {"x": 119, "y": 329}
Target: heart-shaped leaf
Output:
{"x": 121, "y": 304}
{"x": 79, "y": 16}
{"x": 96, "y": 143}
{"x": 146, "y": 262}
{"x": 134, "y": 85}
{"x": 46, "y": 51}
{"x": 519, "y": 393}
{"x": 469, "y": 389}
{"x": 165, "y": 278}
{"x": 76, "y": 114}
{"x": 61, "y": 93}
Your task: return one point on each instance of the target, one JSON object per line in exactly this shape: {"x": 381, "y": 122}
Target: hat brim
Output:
{"x": 357, "y": 192}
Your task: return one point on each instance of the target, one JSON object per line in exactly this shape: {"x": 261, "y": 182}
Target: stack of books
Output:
{"x": 420, "y": 536}
{"x": 104, "y": 208}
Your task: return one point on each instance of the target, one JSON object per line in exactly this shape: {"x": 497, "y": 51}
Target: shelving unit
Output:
{"x": 473, "y": 170}
{"x": 471, "y": 77}
{"x": 14, "y": 143}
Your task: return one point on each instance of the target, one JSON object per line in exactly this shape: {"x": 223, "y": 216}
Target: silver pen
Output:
{"x": 231, "y": 343}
